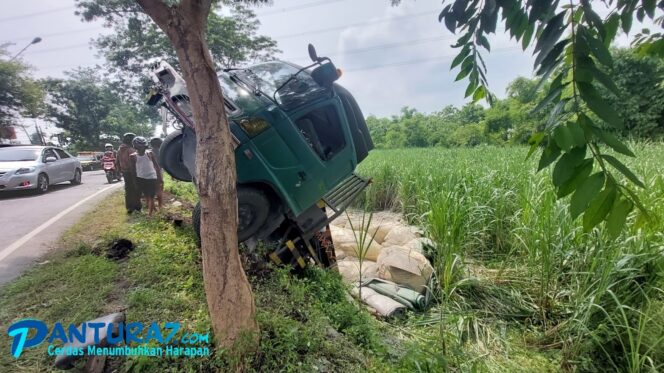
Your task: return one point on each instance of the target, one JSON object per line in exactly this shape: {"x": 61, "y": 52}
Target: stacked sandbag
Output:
{"x": 404, "y": 267}
{"x": 382, "y": 304}
{"x": 346, "y": 241}
{"x": 349, "y": 269}
{"x": 394, "y": 259}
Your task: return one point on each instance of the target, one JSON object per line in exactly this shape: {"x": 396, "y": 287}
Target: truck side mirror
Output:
{"x": 325, "y": 74}
{"x": 312, "y": 53}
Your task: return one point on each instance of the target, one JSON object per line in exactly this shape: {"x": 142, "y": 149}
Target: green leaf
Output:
{"x": 578, "y": 136}
{"x": 534, "y": 141}
{"x": 450, "y": 22}
{"x": 471, "y": 88}
{"x": 581, "y": 173}
{"x": 527, "y": 36}
{"x": 484, "y": 42}
{"x": 649, "y": 7}
{"x": 549, "y": 60}
{"x": 563, "y": 137}
{"x": 598, "y": 105}
{"x": 623, "y": 169}
{"x": 551, "y": 33}
{"x": 598, "y": 49}
{"x": 618, "y": 215}
{"x": 585, "y": 193}
{"x": 464, "y": 72}
{"x": 612, "y": 141}
{"x": 566, "y": 165}
{"x": 599, "y": 207}
{"x": 611, "y": 28}
{"x": 480, "y": 93}
{"x": 549, "y": 155}
{"x": 554, "y": 93}
{"x": 461, "y": 56}
{"x": 626, "y": 20}
{"x": 592, "y": 17}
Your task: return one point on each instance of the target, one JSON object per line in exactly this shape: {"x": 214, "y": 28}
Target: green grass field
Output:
{"x": 520, "y": 287}
{"x": 515, "y": 271}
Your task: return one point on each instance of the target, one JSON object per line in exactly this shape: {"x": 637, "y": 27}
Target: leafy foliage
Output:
{"x": 571, "y": 44}
{"x": 19, "y": 93}
{"x": 136, "y": 41}
{"x": 92, "y": 111}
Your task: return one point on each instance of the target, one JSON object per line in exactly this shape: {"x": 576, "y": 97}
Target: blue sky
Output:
{"x": 391, "y": 56}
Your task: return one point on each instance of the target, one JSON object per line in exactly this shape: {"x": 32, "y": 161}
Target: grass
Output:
{"x": 583, "y": 300}
{"x": 306, "y": 321}
{"x": 519, "y": 285}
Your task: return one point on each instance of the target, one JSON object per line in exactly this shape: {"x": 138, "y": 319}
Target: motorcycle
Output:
{"x": 111, "y": 171}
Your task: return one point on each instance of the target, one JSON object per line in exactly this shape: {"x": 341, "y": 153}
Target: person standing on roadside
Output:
{"x": 126, "y": 166}
{"x": 148, "y": 172}
{"x": 155, "y": 145}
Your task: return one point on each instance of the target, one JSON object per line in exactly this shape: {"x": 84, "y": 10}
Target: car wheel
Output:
{"x": 42, "y": 183}
{"x": 77, "y": 177}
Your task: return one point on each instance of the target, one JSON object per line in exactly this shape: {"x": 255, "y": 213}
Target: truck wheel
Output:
{"x": 170, "y": 157}
{"x": 253, "y": 210}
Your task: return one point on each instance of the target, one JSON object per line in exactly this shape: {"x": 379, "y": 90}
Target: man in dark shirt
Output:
{"x": 132, "y": 197}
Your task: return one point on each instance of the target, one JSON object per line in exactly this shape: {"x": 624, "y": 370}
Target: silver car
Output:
{"x": 36, "y": 167}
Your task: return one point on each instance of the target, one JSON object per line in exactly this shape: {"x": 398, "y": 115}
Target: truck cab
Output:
{"x": 298, "y": 136}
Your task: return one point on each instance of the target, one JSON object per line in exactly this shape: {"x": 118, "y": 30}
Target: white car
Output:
{"x": 36, "y": 167}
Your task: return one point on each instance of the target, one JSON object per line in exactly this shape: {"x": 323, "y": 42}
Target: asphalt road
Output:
{"x": 30, "y": 223}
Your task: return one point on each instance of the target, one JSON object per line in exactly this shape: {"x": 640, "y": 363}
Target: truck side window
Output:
{"x": 321, "y": 129}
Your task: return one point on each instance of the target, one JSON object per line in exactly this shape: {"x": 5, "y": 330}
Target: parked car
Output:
{"x": 36, "y": 167}
{"x": 90, "y": 161}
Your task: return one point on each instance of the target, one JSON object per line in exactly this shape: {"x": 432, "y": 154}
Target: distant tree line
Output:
{"x": 640, "y": 80}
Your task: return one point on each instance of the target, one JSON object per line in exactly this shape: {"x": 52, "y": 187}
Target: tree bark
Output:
{"x": 229, "y": 297}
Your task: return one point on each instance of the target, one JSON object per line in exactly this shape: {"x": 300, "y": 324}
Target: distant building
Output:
{"x": 29, "y": 131}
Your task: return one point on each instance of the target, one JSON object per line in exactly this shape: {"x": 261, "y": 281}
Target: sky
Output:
{"x": 391, "y": 56}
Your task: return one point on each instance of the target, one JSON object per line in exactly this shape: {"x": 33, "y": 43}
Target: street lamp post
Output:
{"x": 34, "y": 41}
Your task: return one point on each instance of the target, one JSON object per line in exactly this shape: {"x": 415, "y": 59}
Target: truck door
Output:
{"x": 325, "y": 131}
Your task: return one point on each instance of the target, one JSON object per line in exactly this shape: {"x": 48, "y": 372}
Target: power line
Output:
{"x": 359, "y": 24}
{"x": 60, "y": 33}
{"x": 414, "y": 62}
{"x": 298, "y": 7}
{"x": 49, "y": 50}
{"x": 28, "y": 15}
{"x": 383, "y": 46}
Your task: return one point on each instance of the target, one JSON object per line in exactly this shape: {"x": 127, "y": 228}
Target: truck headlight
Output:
{"x": 26, "y": 170}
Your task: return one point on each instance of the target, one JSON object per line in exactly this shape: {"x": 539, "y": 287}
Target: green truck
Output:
{"x": 298, "y": 136}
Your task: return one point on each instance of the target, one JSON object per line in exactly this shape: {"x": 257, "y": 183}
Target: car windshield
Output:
{"x": 18, "y": 155}
{"x": 85, "y": 158}
{"x": 270, "y": 76}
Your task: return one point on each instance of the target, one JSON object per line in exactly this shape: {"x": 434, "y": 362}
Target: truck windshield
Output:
{"x": 269, "y": 76}
{"x": 19, "y": 155}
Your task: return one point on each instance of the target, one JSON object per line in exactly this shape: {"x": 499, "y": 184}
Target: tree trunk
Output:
{"x": 229, "y": 297}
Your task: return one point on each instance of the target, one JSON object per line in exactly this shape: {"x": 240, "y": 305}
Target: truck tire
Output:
{"x": 170, "y": 157}
{"x": 253, "y": 210}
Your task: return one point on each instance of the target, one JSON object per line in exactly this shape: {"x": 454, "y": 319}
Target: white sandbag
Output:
{"x": 346, "y": 241}
{"x": 385, "y": 306}
{"x": 399, "y": 235}
{"x": 349, "y": 269}
{"x": 405, "y": 267}
{"x": 382, "y": 229}
{"x": 417, "y": 244}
